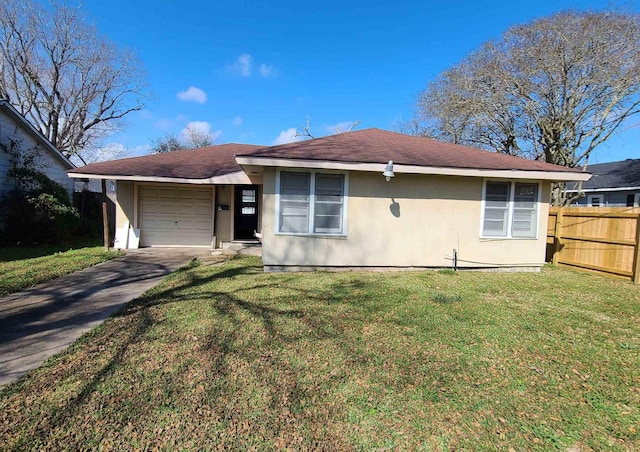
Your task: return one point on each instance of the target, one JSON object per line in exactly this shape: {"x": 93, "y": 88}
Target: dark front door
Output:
{"x": 246, "y": 212}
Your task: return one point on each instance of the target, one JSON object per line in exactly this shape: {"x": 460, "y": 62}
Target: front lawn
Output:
{"x": 21, "y": 268}
{"x": 224, "y": 355}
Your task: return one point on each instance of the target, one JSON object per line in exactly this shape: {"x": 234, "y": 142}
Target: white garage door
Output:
{"x": 175, "y": 216}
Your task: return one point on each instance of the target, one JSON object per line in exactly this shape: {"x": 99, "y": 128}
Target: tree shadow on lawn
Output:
{"x": 289, "y": 317}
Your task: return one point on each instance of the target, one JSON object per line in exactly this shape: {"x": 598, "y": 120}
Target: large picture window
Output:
{"x": 311, "y": 203}
{"x": 510, "y": 209}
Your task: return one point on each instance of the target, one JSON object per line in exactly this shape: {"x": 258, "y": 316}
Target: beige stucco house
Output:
{"x": 325, "y": 203}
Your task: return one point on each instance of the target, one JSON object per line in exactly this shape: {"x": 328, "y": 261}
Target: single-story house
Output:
{"x": 613, "y": 184}
{"x": 26, "y": 138}
{"x": 369, "y": 198}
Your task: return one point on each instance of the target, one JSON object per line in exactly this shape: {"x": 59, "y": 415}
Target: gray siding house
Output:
{"x": 613, "y": 184}
{"x": 14, "y": 126}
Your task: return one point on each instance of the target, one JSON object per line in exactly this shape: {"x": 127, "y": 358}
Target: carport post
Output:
{"x": 105, "y": 215}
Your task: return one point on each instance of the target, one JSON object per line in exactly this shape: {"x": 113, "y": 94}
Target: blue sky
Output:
{"x": 251, "y": 72}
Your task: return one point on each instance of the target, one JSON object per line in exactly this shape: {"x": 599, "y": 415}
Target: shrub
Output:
{"x": 38, "y": 209}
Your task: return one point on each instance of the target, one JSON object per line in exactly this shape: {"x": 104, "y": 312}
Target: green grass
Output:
{"x": 21, "y": 268}
{"x": 224, "y": 355}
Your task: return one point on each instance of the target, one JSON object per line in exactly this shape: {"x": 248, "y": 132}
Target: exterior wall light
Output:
{"x": 388, "y": 171}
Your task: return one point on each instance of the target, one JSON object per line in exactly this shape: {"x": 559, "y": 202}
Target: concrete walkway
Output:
{"x": 42, "y": 321}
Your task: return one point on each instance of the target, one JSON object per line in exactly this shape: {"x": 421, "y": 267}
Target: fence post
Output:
{"x": 557, "y": 235}
{"x": 636, "y": 254}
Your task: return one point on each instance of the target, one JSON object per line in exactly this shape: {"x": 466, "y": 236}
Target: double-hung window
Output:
{"x": 510, "y": 209}
{"x": 311, "y": 203}
{"x": 594, "y": 201}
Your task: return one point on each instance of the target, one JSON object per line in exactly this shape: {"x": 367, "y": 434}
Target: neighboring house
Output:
{"x": 14, "y": 127}
{"x": 614, "y": 184}
{"x": 325, "y": 203}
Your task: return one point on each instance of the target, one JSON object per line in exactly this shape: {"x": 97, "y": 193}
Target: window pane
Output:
{"x": 328, "y": 217}
{"x": 495, "y": 222}
{"x": 526, "y": 195}
{"x": 294, "y": 202}
{"x": 329, "y": 187}
{"x": 328, "y": 203}
{"x": 525, "y": 209}
{"x": 328, "y": 224}
{"x": 294, "y": 217}
{"x": 498, "y": 192}
{"x": 496, "y": 209}
{"x": 248, "y": 211}
{"x": 248, "y": 196}
{"x": 294, "y": 186}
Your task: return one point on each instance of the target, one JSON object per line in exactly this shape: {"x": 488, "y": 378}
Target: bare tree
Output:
{"x": 306, "y": 130}
{"x": 191, "y": 137}
{"x": 550, "y": 90}
{"x": 72, "y": 84}
{"x": 110, "y": 151}
{"x": 167, "y": 143}
{"x": 194, "y": 136}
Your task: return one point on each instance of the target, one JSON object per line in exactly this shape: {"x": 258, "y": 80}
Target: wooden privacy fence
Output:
{"x": 599, "y": 239}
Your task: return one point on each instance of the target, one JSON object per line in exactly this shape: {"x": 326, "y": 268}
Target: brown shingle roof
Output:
{"x": 379, "y": 146}
{"x": 201, "y": 163}
{"x": 363, "y": 146}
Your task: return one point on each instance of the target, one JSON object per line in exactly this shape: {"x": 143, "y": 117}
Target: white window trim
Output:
{"x": 590, "y": 200}
{"x": 312, "y": 202}
{"x": 512, "y": 191}
{"x": 636, "y": 200}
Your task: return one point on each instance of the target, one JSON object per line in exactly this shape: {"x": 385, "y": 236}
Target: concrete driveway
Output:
{"x": 42, "y": 321}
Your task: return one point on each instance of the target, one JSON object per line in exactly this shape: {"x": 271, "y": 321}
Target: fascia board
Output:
{"x": 410, "y": 169}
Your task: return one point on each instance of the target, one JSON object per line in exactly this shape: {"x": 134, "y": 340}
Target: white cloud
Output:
{"x": 192, "y": 94}
{"x": 242, "y": 67}
{"x": 340, "y": 127}
{"x": 237, "y": 121}
{"x": 288, "y": 136}
{"x": 267, "y": 70}
{"x": 198, "y": 126}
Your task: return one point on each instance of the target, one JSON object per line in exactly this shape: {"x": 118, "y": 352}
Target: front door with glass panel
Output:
{"x": 246, "y": 212}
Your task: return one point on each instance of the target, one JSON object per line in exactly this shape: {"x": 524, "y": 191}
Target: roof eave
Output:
{"x": 36, "y": 134}
{"x": 606, "y": 189}
{"x": 556, "y": 176}
{"x": 238, "y": 177}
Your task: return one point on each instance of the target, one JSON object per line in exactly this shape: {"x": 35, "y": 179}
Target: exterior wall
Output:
{"x": 610, "y": 198}
{"x": 5, "y": 185}
{"x": 224, "y": 218}
{"x": 411, "y": 221}
{"x": 125, "y": 202}
{"x": 47, "y": 163}
{"x": 126, "y": 209}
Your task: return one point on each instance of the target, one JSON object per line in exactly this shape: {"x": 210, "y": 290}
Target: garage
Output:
{"x": 176, "y": 216}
